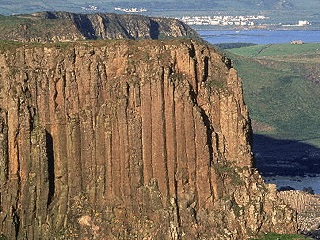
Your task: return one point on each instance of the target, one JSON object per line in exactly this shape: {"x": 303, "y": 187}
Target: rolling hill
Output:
{"x": 281, "y": 85}
{"x": 282, "y": 88}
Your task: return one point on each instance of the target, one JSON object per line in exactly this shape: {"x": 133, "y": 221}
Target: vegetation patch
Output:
{"x": 275, "y": 236}
{"x": 282, "y": 88}
{"x": 3, "y": 237}
{"x": 61, "y": 45}
{"x": 226, "y": 171}
{"x": 6, "y": 45}
{"x": 215, "y": 84}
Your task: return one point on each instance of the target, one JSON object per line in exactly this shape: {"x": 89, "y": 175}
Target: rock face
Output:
{"x": 308, "y": 210}
{"x": 65, "y": 26}
{"x": 125, "y": 140}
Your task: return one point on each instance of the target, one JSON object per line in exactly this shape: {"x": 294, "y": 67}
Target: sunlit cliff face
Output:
{"x": 127, "y": 139}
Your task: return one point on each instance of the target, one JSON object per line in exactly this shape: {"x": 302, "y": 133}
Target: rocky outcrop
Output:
{"x": 308, "y": 210}
{"x": 126, "y": 140}
{"x": 65, "y": 26}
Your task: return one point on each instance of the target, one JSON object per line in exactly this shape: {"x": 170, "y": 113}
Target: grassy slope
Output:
{"x": 282, "y": 89}
{"x": 10, "y": 26}
{"x": 274, "y": 236}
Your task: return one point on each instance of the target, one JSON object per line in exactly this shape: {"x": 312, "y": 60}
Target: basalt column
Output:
{"x": 127, "y": 140}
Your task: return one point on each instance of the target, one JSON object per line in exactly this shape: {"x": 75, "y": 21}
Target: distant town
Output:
{"x": 130, "y": 10}
{"x": 223, "y": 20}
{"x": 90, "y": 8}
{"x": 250, "y": 21}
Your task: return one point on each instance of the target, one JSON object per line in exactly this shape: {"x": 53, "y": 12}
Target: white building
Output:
{"x": 303, "y": 23}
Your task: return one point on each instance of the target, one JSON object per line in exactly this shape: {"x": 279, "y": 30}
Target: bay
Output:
{"x": 296, "y": 182}
{"x": 259, "y": 36}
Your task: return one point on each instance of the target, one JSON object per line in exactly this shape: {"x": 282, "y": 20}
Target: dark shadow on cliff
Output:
{"x": 85, "y": 26}
{"x": 51, "y": 176}
{"x": 154, "y": 29}
{"x": 285, "y": 157}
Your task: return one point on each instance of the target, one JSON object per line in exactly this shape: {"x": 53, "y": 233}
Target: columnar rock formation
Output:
{"x": 126, "y": 140}
{"x": 308, "y": 210}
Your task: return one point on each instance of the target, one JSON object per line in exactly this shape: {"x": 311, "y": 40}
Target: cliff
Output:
{"x": 65, "y": 26}
{"x": 125, "y": 140}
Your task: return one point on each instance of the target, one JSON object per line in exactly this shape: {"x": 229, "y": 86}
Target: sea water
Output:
{"x": 259, "y": 36}
{"x": 296, "y": 182}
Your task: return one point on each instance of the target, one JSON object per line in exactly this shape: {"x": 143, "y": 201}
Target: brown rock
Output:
{"x": 126, "y": 140}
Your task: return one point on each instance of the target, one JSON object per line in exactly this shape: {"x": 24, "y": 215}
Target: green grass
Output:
{"x": 282, "y": 88}
{"x": 278, "y": 50}
{"x": 274, "y": 236}
{"x": 9, "y": 45}
{"x": 28, "y": 26}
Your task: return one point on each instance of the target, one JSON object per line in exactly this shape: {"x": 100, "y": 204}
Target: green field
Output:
{"x": 282, "y": 89}
{"x": 274, "y": 236}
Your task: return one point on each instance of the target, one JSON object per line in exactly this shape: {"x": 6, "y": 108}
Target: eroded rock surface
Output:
{"x": 128, "y": 140}
{"x": 308, "y": 210}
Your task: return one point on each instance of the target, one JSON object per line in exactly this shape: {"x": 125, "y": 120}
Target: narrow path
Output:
{"x": 262, "y": 49}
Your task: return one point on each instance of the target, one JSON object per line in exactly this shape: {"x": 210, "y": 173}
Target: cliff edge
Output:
{"x": 66, "y": 26}
{"x": 128, "y": 139}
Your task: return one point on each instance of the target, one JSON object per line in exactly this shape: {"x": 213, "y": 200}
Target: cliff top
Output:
{"x": 66, "y": 26}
